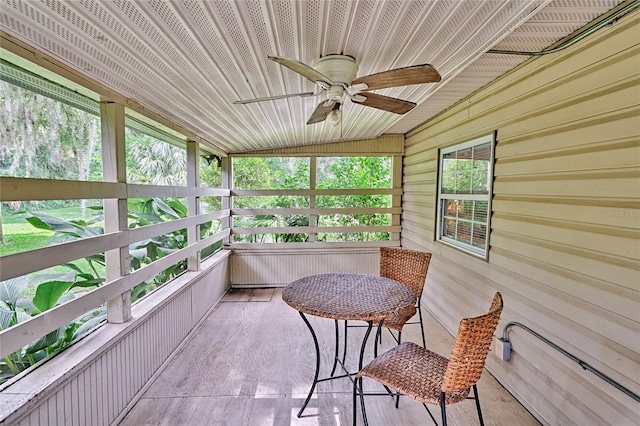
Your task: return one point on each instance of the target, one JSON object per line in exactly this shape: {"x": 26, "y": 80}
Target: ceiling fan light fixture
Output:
{"x": 335, "y": 117}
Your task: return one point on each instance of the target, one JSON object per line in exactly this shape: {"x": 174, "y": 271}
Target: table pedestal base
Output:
{"x": 335, "y": 361}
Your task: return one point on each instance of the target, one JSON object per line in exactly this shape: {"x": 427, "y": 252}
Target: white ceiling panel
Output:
{"x": 189, "y": 60}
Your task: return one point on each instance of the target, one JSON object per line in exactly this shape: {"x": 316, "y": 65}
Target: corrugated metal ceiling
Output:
{"x": 189, "y": 60}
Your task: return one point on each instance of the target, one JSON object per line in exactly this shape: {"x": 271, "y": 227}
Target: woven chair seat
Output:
{"x": 413, "y": 371}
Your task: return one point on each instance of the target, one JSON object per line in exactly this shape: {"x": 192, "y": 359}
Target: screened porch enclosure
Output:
{"x": 162, "y": 302}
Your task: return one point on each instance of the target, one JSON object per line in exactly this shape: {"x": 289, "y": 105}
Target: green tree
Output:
{"x": 271, "y": 173}
{"x": 356, "y": 173}
{"x": 152, "y": 161}
{"x": 43, "y": 138}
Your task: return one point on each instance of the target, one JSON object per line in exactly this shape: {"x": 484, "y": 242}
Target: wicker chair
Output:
{"x": 431, "y": 378}
{"x": 410, "y": 268}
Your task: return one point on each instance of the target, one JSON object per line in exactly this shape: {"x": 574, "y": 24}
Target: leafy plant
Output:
{"x": 51, "y": 292}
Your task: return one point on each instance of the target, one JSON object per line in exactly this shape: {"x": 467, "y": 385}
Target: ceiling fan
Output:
{"x": 336, "y": 76}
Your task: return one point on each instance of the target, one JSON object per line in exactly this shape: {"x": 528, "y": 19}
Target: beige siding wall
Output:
{"x": 565, "y": 238}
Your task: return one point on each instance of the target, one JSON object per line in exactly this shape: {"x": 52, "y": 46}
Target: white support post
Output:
{"x": 396, "y": 200}
{"x": 115, "y": 210}
{"x": 193, "y": 203}
{"x": 227, "y": 202}
{"x": 313, "y": 219}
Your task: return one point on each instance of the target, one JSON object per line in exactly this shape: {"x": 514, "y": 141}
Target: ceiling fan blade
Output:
{"x": 416, "y": 74}
{"x": 382, "y": 102}
{"x": 302, "y": 69}
{"x": 322, "y": 111}
{"x": 273, "y": 98}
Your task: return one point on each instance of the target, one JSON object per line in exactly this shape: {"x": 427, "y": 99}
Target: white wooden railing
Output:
{"x": 313, "y": 229}
{"x": 19, "y": 264}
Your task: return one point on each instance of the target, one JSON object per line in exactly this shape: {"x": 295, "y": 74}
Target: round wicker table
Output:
{"x": 340, "y": 296}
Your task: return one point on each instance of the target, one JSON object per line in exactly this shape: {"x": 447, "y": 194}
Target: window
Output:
{"x": 464, "y": 195}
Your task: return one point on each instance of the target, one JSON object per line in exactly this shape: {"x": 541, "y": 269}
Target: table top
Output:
{"x": 349, "y": 296}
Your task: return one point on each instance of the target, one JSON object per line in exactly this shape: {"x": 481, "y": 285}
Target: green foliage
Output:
{"x": 153, "y": 161}
{"x": 148, "y": 211}
{"x": 18, "y": 237}
{"x": 356, "y": 173}
{"x": 271, "y": 173}
{"x": 293, "y": 173}
{"x": 51, "y": 292}
{"x": 210, "y": 177}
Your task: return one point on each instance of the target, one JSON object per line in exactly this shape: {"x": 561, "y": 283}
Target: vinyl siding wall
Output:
{"x": 565, "y": 227}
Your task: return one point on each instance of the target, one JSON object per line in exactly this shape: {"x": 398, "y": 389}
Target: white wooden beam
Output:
{"x": 30, "y": 189}
{"x": 318, "y": 211}
{"x": 19, "y": 264}
{"x": 115, "y": 210}
{"x": 150, "y": 191}
{"x": 227, "y": 202}
{"x": 313, "y": 218}
{"x": 315, "y": 229}
{"x": 396, "y": 199}
{"x": 309, "y": 192}
{"x": 193, "y": 202}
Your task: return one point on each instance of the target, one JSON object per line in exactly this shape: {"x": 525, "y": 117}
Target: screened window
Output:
{"x": 464, "y": 195}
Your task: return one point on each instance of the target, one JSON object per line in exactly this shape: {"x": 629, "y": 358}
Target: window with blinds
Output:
{"x": 464, "y": 195}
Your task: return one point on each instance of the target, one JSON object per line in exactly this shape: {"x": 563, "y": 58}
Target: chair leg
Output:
{"x": 394, "y": 337}
{"x": 424, "y": 342}
{"x": 443, "y": 409}
{"x": 358, "y": 390}
{"x": 377, "y": 341}
{"x": 398, "y": 397}
{"x": 475, "y": 394}
{"x": 344, "y": 351}
{"x": 337, "y": 346}
{"x": 355, "y": 402}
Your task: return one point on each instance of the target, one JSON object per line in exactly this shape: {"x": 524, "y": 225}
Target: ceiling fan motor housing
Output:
{"x": 339, "y": 68}
{"x": 335, "y": 92}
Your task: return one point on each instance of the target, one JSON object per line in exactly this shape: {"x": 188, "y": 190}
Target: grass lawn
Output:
{"x": 19, "y": 235}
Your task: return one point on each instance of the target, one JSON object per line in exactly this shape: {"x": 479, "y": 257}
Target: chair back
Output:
{"x": 407, "y": 266}
{"x": 471, "y": 349}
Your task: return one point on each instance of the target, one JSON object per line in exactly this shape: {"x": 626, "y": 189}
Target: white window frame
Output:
{"x": 443, "y": 198}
